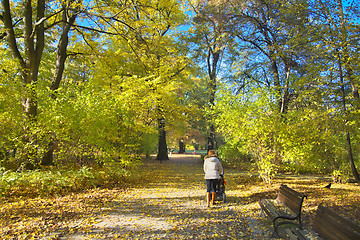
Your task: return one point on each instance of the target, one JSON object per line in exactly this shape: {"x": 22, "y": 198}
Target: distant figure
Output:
{"x": 194, "y": 152}
{"x": 170, "y": 151}
{"x": 328, "y": 186}
{"x": 212, "y": 169}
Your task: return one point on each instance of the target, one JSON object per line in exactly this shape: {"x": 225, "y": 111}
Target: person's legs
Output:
{"x": 208, "y": 196}
{"x": 213, "y": 190}
{"x": 208, "y": 192}
{"x": 213, "y": 198}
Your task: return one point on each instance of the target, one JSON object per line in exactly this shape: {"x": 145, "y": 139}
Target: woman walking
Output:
{"x": 212, "y": 169}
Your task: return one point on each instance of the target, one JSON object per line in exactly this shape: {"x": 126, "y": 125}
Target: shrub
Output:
{"x": 53, "y": 181}
{"x": 232, "y": 155}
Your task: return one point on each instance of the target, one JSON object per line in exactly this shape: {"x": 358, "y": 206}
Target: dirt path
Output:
{"x": 167, "y": 202}
{"x": 170, "y": 205}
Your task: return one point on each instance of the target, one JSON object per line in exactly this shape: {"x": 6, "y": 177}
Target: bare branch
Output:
{"x": 95, "y": 30}
{"x": 43, "y": 19}
{"x": 10, "y": 32}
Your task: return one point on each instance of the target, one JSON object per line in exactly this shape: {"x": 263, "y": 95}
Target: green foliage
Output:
{"x": 232, "y": 154}
{"x": 305, "y": 141}
{"x": 86, "y": 124}
{"x": 11, "y": 118}
{"x": 107, "y": 104}
{"x": 285, "y": 109}
{"x": 53, "y": 181}
{"x": 91, "y": 122}
{"x": 252, "y": 125}
{"x": 312, "y": 141}
{"x": 149, "y": 143}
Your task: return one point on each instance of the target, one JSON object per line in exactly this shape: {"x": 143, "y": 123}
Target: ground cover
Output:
{"x": 167, "y": 202}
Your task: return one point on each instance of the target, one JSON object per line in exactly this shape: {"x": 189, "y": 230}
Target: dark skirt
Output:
{"x": 211, "y": 185}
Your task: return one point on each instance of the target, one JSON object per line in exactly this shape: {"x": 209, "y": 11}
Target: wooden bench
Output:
{"x": 286, "y": 208}
{"x": 327, "y": 225}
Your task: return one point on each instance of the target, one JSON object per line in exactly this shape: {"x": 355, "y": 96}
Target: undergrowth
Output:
{"x": 54, "y": 181}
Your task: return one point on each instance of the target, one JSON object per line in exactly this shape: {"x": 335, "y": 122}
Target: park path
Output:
{"x": 168, "y": 203}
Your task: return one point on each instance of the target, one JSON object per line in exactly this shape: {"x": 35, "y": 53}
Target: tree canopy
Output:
{"x": 272, "y": 82}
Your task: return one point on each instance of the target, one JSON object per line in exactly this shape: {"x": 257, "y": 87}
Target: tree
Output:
{"x": 150, "y": 68}
{"x": 306, "y": 56}
{"x": 29, "y": 61}
{"x": 342, "y": 43}
{"x": 212, "y": 33}
{"x": 95, "y": 18}
{"x": 276, "y": 31}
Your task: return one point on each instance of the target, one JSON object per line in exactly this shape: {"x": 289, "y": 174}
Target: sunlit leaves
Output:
{"x": 120, "y": 66}
{"x": 170, "y": 205}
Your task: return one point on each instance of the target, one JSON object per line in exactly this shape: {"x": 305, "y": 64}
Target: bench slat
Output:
{"x": 291, "y": 191}
{"x": 269, "y": 208}
{"x": 291, "y": 198}
{"x": 297, "y": 234}
{"x": 287, "y": 206}
{"x": 330, "y": 225}
{"x": 328, "y": 212}
{"x": 274, "y": 209}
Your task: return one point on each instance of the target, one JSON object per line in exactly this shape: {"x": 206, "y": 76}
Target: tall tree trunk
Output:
{"x": 29, "y": 65}
{"x": 61, "y": 49}
{"x": 181, "y": 146}
{"x": 211, "y": 138}
{"x": 275, "y": 72}
{"x": 61, "y": 57}
{"x": 212, "y": 70}
{"x": 347, "y": 65}
{"x": 285, "y": 95}
{"x": 162, "y": 147}
{"x": 347, "y": 130}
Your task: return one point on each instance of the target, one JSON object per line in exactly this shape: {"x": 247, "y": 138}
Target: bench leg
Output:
{"x": 300, "y": 223}
{"x": 275, "y": 232}
{"x": 276, "y": 226}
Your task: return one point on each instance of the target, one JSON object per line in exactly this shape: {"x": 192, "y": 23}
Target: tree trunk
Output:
{"x": 285, "y": 95}
{"x": 347, "y": 130}
{"x": 48, "y": 157}
{"x": 345, "y": 59}
{"x": 275, "y": 71}
{"x": 211, "y": 143}
{"x": 162, "y": 148}
{"x": 33, "y": 46}
{"x": 212, "y": 70}
{"x": 181, "y": 146}
{"x": 351, "y": 158}
{"x": 61, "y": 49}
{"x": 61, "y": 57}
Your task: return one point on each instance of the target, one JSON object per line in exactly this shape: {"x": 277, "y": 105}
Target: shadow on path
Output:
{"x": 169, "y": 204}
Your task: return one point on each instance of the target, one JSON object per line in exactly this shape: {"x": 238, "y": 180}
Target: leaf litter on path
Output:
{"x": 168, "y": 204}
{"x": 167, "y": 201}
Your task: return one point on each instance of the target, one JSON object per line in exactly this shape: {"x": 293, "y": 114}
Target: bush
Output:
{"x": 231, "y": 155}
{"x": 53, "y": 181}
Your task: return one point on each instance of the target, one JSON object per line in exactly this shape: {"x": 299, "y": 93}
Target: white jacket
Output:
{"x": 212, "y": 168}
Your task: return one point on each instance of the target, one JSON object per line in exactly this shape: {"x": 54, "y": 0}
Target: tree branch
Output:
{"x": 43, "y": 19}
{"x": 40, "y": 37}
{"x": 95, "y": 30}
{"x": 10, "y": 32}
